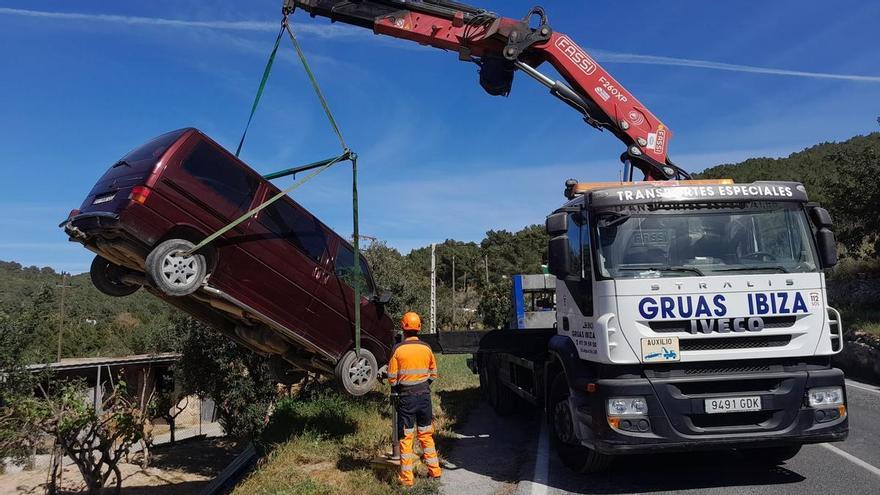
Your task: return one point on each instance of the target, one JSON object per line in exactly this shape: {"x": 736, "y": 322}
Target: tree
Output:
{"x": 495, "y": 304}
{"x": 17, "y": 436}
{"x": 239, "y": 381}
{"x": 168, "y": 403}
{"x": 97, "y": 440}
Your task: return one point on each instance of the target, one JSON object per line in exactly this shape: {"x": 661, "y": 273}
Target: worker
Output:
{"x": 411, "y": 371}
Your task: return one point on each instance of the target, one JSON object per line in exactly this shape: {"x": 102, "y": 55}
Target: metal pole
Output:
{"x": 395, "y": 438}
{"x": 453, "y": 292}
{"x": 433, "y": 328}
{"x": 63, "y": 286}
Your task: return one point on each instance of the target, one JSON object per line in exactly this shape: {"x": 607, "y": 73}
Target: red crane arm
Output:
{"x": 500, "y": 46}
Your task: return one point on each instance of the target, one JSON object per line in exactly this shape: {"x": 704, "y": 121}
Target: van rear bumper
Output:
{"x": 86, "y": 224}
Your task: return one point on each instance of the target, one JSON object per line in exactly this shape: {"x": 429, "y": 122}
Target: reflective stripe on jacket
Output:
{"x": 412, "y": 367}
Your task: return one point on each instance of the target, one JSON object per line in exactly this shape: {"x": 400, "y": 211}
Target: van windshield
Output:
{"x": 754, "y": 237}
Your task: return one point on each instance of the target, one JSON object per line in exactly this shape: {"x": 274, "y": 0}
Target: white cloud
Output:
{"x": 321, "y": 31}
{"x": 336, "y": 31}
{"x": 633, "y": 58}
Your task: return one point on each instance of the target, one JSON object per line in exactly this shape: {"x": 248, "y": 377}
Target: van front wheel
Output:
{"x": 174, "y": 272}
{"x": 107, "y": 278}
{"x": 357, "y": 373}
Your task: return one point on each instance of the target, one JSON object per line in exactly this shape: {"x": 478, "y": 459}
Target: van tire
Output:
{"x": 575, "y": 456}
{"x": 106, "y": 277}
{"x": 357, "y": 375}
{"x": 173, "y": 274}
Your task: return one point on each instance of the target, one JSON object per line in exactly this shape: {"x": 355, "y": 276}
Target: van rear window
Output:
{"x": 296, "y": 226}
{"x": 216, "y": 170}
{"x": 153, "y": 149}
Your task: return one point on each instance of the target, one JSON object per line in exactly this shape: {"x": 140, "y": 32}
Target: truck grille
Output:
{"x": 684, "y": 326}
{"x": 714, "y": 344}
{"x": 753, "y": 419}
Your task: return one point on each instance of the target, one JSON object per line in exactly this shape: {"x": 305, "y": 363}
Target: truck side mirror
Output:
{"x": 557, "y": 223}
{"x": 824, "y": 236}
{"x": 559, "y": 256}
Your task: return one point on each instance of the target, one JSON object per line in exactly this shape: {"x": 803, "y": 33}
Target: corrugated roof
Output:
{"x": 94, "y": 362}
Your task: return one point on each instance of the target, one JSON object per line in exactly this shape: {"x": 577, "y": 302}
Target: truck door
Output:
{"x": 574, "y": 298}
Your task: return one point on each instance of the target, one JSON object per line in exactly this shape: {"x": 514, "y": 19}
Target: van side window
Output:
{"x": 211, "y": 167}
{"x": 295, "y": 226}
{"x": 345, "y": 270}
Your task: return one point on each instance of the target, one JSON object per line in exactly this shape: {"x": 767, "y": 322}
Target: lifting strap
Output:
{"x": 347, "y": 154}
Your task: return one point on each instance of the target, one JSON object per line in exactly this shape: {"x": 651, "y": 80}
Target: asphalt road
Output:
{"x": 511, "y": 455}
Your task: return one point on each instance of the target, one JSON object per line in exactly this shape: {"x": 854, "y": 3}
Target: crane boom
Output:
{"x": 500, "y": 46}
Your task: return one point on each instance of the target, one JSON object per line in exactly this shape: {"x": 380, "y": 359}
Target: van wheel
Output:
{"x": 107, "y": 278}
{"x": 562, "y": 435}
{"x": 357, "y": 374}
{"x": 173, "y": 272}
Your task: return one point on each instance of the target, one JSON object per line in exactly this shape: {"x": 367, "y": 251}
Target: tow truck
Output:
{"x": 689, "y": 314}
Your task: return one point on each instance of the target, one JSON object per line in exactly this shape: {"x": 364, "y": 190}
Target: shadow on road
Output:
{"x": 670, "y": 472}
{"x": 492, "y": 451}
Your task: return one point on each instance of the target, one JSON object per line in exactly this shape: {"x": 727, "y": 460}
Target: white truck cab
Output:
{"x": 691, "y": 315}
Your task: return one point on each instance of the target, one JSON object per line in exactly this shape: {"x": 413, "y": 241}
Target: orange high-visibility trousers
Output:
{"x": 415, "y": 418}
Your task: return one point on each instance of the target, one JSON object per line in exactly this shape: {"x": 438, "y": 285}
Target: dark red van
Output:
{"x": 279, "y": 283}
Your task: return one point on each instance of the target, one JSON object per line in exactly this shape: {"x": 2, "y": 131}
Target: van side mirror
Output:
{"x": 384, "y": 297}
{"x": 558, "y": 256}
{"x": 824, "y": 236}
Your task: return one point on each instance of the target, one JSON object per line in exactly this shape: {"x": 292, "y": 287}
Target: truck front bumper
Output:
{"x": 677, "y": 418}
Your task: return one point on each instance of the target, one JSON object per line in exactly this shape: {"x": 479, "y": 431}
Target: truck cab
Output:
{"x": 691, "y": 315}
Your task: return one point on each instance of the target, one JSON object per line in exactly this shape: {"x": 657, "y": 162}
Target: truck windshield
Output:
{"x": 767, "y": 237}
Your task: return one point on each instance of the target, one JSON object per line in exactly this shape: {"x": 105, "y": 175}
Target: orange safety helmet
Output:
{"x": 411, "y": 321}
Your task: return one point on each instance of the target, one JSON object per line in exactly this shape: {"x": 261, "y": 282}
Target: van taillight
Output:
{"x": 139, "y": 194}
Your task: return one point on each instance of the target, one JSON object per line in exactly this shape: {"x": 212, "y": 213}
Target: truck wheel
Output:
{"x": 357, "y": 374}
{"x": 501, "y": 398}
{"x": 771, "y": 455}
{"x": 107, "y": 278}
{"x": 562, "y": 435}
{"x": 173, "y": 272}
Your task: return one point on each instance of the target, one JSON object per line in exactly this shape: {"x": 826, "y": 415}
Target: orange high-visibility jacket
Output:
{"x": 412, "y": 367}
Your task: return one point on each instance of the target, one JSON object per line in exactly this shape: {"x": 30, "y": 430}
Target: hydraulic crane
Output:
{"x": 500, "y": 46}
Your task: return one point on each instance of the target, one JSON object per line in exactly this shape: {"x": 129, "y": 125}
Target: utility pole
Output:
{"x": 63, "y": 286}
{"x": 486, "y": 259}
{"x": 433, "y": 328}
{"x": 453, "y": 291}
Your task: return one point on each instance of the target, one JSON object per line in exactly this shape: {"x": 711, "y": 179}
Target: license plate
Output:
{"x": 660, "y": 350}
{"x": 733, "y": 404}
{"x": 104, "y": 199}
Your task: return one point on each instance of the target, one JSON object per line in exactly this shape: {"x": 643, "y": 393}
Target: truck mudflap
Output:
{"x": 677, "y": 416}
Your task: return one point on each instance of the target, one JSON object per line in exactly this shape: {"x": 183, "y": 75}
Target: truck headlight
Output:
{"x": 627, "y": 406}
{"x": 825, "y": 396}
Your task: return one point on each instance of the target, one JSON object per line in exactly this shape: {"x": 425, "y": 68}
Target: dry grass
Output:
{"x": 322, "y": 441}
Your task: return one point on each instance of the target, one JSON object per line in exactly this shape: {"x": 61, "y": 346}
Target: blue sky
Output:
{"x": 82, "y": 82}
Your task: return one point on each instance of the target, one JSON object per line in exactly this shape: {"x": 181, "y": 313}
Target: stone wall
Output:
{"x": 860, "y": 357}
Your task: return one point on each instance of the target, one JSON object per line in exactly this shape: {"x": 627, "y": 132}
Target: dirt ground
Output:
{"x": 181, "y": 469}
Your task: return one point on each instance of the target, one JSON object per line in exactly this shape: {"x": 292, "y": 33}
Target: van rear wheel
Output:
{"x": 172, "y": 271}
{"x": 357, "y": 374}
{"x": 107, "y": 278}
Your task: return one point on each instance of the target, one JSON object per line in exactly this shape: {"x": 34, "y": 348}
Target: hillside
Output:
{"x": 94, "y": 324}
{"x": 843, "y": 176}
